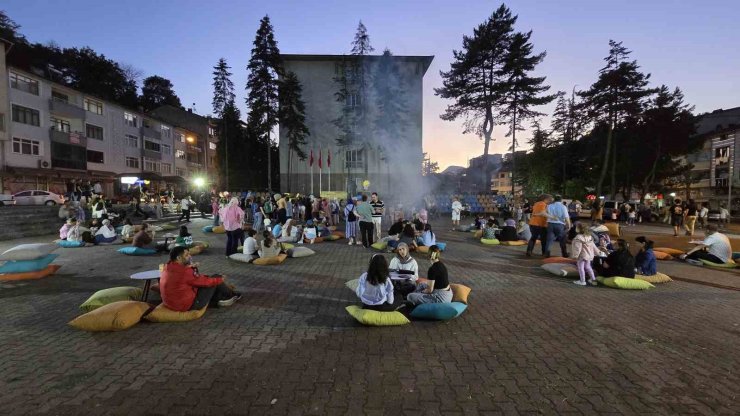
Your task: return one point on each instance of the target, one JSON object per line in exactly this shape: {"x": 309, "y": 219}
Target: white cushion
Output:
{"x": 300, "y": 252}
{"x": 244, "y": 258}
{"x": 28, "y": 251}
{"x": 561, "y": 269}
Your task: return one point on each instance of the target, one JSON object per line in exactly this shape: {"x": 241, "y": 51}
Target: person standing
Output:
{"x": 538, "y": 224}
{"x": 350, "y": 224}
{"x": 703, "y": 215}
{"x": 724, "y": 217}
{"x": 526, "y": 210}
{"x": 676, "y": 211}
{"x": 558, "y": 223}
{"x": 456, "y": 210}
{"x": 378, "y": 211}
{"x": 365, "y": 212}
{"x": 690, "y": 220}
{"x": 584, "y": 251}
{"x": 232, "y": 217}
{"x": 257, "y": 214}
{"x": 185, "y": 208}
{"x": 282, "y": 210}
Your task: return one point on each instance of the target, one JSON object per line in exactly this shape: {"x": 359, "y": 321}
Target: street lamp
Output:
{"x": 199, "y": 182}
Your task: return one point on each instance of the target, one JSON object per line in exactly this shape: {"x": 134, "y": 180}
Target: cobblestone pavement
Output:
{"x": 528, "y": 343}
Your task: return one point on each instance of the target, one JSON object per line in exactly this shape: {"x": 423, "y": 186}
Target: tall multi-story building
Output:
{"x": 4, "y": 106}
{"x": 389, "y": 164}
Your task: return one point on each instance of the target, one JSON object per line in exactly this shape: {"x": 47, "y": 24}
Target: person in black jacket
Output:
{"x": 619, "y": 263}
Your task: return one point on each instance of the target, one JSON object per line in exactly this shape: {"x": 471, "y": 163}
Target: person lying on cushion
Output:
{"x": 437, "y": 289}
{"x": 715, "y": 248}
{"x": 183, "y": 289}
{"x": 269, "y": 246}
{"x": 403, "y": 261}
{"x": 106, "y": 233}
{"x": 645, "y": 261}
{"x": 618, "y": 263}
{"x": 375, "y": 288}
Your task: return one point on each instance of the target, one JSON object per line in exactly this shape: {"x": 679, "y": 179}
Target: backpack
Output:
{"x": 352, "y": 217}
{"x": 268, "y": 207}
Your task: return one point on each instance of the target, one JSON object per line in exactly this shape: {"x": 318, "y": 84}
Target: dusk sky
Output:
{"x": 692, "y": 45}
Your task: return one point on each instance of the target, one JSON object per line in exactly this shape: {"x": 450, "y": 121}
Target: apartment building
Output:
{"x": 55, "y": 134}
{"x": 4, "y": 104}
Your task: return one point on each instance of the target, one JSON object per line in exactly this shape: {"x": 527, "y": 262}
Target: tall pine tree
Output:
{"x": 231, "y": 137}
{"x": 223, "y": 87}
{"x": 264, "y": 68}
{"x": 293, "y": 119}
{"x": 361, "y": 45}
{"x": 474, "y": 81}
{"x": 567, "y": 126}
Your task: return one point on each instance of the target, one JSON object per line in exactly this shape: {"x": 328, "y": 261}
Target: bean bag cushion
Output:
{"x": 218, "y": 230}
{"x": 331, "y": 237}
{"x": 478, "y": 234}
{"x": 459, "y": 292}
{"x": 559, "y": 260}
{"x": 614, "y": 230}
{"x": 422, "y": 249}
{"x": 380, "y": 245}
{"x": 271, "y": 261}
{"x": 375, "y": 318}
{"x": 490, "y": 242}
{"x": 736, "y": 255}
{"x": 38, "y": 274}
{"x": 137, "y": 251}
{"x": 28, "y": 252}
{"x": 315, "y": 240}
{"x": 560, "y": 269}
{"x": 163, "y": 314}
{"x": 207, "y": 229}
{"x": 671, "y": 251}
{"x": 115, "y": 316}
{"x": 70, "y": 244}
{"x": 656, "y": 278}
{"x": 287, "y": 246}
{"x": 624, "y": 283}
{"x": 300, "y": 252}
{"x": 114, "y": 294}
{"x": 442, "y": 246}
{"x": 195, "y": 250}
{"x": 352, "y": 284}
{"x": 244, "y": 258}
{"x": 24, "y": 266}
{"x": 514, "y": 243}
{"x": 729, "y": 265}
{"x": 337, "y": 233}
{"x": 168, "y": 226}
{"x": 438, "y": 311}
{"x": 659, "y": 255}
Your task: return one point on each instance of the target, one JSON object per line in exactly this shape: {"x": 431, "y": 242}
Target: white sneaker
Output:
{"x": 350, "y": 242}
{"x": 579, "y": 283}
{"x": 694, "y": 262}
{"x": 229, "y": 302}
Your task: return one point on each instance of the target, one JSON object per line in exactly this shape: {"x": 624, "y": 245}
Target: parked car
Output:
{"x": 6, "y": 199}
{"x": 36, "y": 197}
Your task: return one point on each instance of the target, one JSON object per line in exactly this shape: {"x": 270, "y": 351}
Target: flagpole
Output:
{"x": 328, "y": 165}
{"x": 310, "y": 163}
{"x": 320, "y": 171}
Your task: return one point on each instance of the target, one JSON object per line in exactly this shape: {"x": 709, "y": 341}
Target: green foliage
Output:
{"x": 156, "y": 92}
{"x": 361, "y": 44}
{"x": 293, "y": 114}
{"x": 223, "y": 87}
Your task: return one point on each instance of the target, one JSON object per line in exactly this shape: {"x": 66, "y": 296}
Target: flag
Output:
{"x": 328, "y": 158}
{"x": 310, "y": 160}
{"x": 319, "y": 159}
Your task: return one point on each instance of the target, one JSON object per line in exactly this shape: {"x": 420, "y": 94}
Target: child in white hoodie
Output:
{"x": 584, "y": 251}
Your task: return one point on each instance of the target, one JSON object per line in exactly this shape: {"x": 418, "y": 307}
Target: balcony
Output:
{"x": 65, "y": 109}
{"x": 192, "y": 148}
{"x": 151, "y": 133}
{"x": 194, "y": 165}
{"x": 74, "y": 138}
{"x": 150, "y": 154}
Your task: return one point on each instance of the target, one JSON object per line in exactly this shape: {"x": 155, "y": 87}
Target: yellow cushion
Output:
{"x": 460, "y": 293}
{"x": 613, "y": 229}
{"x": 114, "y": 316}
{"x": 671, "y": 251}
{"x": 491, "y": 242}
{"x": 163, "y": 314}
{"x": 478, "y": 234}
{"x": 376, "y": 318}
{"x": 514, "y": 243}
{"x": 729, "y": 265}
{"x": 624, "y": 283}
{"x": 219, "y": 230}
{"x": 270, "y": 261}
{"x": 656, "y": 278}
{"x": 422, "y": 249}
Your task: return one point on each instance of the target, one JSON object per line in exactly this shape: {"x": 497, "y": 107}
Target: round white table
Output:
{"x": 147, "y": 277}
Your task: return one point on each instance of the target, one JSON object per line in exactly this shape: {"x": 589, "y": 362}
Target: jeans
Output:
{"x": 704, "y": 255}
{"x": 210, "y": 296}
{"x": 257, "y": 224}
{"x": 556, "y": 231}
{"x": 366, "y": 231}
{"x": 232, "y": 241}
{"x": 215, "y": 220}
{"x": 537, "y": 232}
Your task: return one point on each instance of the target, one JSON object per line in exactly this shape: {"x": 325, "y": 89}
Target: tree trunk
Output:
{"x": 607, "y": 154}
{"x": 290, "y": 170}
{"x": 613, "y": 181}
{"x": 269, "y": 164}
{"x": 487, "y": 131}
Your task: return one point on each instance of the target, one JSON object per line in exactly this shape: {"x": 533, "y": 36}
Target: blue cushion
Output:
{"x": 24, "y": 266}
{"x": 136, "y": 251}
{"x": 207, "y": 229}
{"x": 70, "y": 244}
{"x": 441, "y": 246}
{"x": 438, "y": 311}
{"x": 277, "y": 230}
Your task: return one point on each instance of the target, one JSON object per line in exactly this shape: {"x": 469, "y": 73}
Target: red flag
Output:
{"x": 310, "y": 161}
{"x": 328, "y": 158}
{"x": 319, "y": 159}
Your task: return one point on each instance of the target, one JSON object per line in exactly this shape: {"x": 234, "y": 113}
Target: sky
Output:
{"x": 687, "y": 44}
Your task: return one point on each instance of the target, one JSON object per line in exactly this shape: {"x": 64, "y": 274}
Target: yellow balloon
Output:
{"x": 366, "y": 183}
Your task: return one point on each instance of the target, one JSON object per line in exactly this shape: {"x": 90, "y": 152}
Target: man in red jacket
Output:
{"x": 183, "y": 289}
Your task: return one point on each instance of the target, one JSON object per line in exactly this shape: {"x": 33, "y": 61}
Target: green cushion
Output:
{"x": 490, "y": 242}
{"x": 352, "y": 284}
{"x": 721, "y": 266}
{"x": 380, "y": 245}
{"x": 137, "y": 251}
{"x": 375, "y": 318}
{"x": 438, "y": 311}
{"x": 624, "y": 283}
{"x": 114, "y": 294}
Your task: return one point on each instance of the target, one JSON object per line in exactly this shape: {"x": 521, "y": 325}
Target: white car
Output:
{"x": 6, "y": 199}
{"x": 36, "y": 197}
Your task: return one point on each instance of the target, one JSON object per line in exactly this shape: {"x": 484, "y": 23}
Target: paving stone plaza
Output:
{"x": 528, "y": 343}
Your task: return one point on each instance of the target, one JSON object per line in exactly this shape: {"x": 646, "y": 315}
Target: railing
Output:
{"x": 74, "y": 138}
{"x": 66, "y": 109}
{"x": 151, "y": 132}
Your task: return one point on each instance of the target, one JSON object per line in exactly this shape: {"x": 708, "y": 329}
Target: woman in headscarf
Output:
{"x": 403, "y": 261}
{"x": 232, "y": 217}
{"x": 106, "y": 233}
{"x": 290, "y": 233}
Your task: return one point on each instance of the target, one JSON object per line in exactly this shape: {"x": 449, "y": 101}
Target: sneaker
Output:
{"x": 593, "y": 282}
{"x": 694, "y": 262}
{"x": 230, "y": 301}
{"x": 350, "y": 243}
{"x": 579, "y": 283}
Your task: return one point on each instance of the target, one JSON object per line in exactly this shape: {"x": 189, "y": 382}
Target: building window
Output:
{"x": 154, "y": 147}
{"x": 166, "y": 149}
{"x": 24, "y": 83}
{"x": 212, "y": 145}
{"x": 2, "y": 122}
{"x": 132, "y": 162}
{"x": 26, "y": 115}
{"x": 167, "y": 168}
{"x": 166, "y": 132}
{"x": 181, "y": 136}
{"x": 130, "y": 120}
{"x": 59, "y": 96}
{"x": 180, "y": 154}
{"x": 93, "y": 106}
{"x": 26, "y": 147}
{"x": 211, "y": 131}
{"x": 60, "y": 125}
{"x": 93, "y": 132}
{"x": 95, "y": 157}
{"x": 180, "y": 172}
{"x": 131, "y": 141}
{"x": 354, "y": 159}
{"x": 353, "y": 100}
{"x": 151, "y": 165}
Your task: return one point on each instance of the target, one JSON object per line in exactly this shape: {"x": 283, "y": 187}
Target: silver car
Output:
{"x": 6, "y": 199}
{"x": 36, "y": 197}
